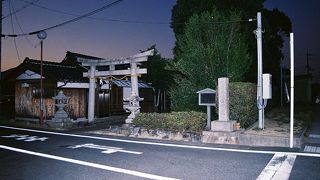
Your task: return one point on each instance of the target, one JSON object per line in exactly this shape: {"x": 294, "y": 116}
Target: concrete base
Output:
{"x": 224, "y": 126}
{"x": 268, "y": 141}
{"x": 220, "y": 137}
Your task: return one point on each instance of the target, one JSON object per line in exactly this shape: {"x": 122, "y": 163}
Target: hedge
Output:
{"x": 177, "y": 121}
{"x": 243, "y": 103}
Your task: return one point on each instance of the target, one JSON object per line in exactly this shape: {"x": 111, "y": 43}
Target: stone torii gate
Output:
{"x": 134, "y": 71}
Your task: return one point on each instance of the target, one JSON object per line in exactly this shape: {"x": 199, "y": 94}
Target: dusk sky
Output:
{"x": 110, "y": 39}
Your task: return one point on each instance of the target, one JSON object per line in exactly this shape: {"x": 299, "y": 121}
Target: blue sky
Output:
{"x": 306, "y": 27}
{"x": 89, "y": 36}
{"x": 109, "y": 39}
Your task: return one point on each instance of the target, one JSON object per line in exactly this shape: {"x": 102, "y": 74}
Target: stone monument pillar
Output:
{"x": 223, "y": 123}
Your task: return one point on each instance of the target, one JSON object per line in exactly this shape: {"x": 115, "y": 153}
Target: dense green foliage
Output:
{"x": 158, "y": 74}
{"x": 276, "y": 25}
{"x": 208, "y": 51}
{"x": 177, "y": 121}
{"x": 243, "y": 106}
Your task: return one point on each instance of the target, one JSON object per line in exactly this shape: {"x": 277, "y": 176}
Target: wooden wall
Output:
{"x": 28, "y": 106}
{"x": 77, "y": 102}
{"x": 147, "y": 105}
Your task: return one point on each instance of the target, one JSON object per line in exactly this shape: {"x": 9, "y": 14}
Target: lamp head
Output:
{"x": 42, "y": 35}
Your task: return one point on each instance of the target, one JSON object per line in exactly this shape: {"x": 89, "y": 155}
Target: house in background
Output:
{"x": 303, "y": 89}
{"x": 67, "y": 76}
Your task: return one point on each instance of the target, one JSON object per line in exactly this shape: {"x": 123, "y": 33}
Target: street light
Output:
{"x": 41, "y": 35}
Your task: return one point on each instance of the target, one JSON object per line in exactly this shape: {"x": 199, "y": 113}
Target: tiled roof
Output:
{"x": 55, "y": 71}
{"x": 71, "y": 58}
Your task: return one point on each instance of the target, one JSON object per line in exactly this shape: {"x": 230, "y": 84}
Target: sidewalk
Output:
{"x": 312, "y": 139}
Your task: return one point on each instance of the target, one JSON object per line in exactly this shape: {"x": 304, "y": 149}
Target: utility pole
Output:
{"x": 291, "y": 88}
{"x": 41, "y": 35}
{"x": 308, "y": 66}
{"x": 0, "y": 56}
{"x": 260, "y": 102}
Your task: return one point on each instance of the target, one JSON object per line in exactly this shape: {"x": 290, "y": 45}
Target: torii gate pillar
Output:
{"x": 92, "y": 84}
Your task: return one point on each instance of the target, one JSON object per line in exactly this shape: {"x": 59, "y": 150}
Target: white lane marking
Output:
{"x": 314, "y": 149}
{"x": 279, "y": 167}
{"x": 307, "y": 149}
{"x": 164, "y": 144}
{"x": 27, "y": 138}
{"x": 84, "y": 163}
{"x": 106, "y": 149}
{"x": 314, "y": 135}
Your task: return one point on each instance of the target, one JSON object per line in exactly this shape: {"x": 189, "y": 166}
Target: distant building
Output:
{"x": 303, "y": 89}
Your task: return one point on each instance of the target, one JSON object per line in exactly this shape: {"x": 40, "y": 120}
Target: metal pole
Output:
{"x": 41, "y": 85}
{"x": 291, "y": 88}
{"x": 0, "y": 56}
{"x": 281, "y": 86}
{"x": 208, "y": 118}
{"x": 259, "y": 80}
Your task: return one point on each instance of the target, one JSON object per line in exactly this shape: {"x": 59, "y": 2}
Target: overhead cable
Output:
{"x": 126, "y": 21}
{"x": 20, "y": 27}
{"x": 20, "y": 9}
{"x": 67, "y": 22}
{"x": 12, "y": 26}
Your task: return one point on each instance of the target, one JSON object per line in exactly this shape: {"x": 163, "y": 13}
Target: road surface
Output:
{"x": 40, "y": 154}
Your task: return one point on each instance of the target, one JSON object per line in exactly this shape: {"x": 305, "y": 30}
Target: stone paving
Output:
{"x": 277, "y": 123}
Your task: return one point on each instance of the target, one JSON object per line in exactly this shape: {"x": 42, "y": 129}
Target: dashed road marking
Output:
{"x": 85, "y": 163}
{"x": 26, "y": 138}
{"x": 313, "y": 149}
{"x": 314, "y": 135}
{"x": 279, "y": 167}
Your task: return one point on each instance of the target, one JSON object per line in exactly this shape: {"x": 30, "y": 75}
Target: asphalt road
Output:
{"x": 39, "y": 154}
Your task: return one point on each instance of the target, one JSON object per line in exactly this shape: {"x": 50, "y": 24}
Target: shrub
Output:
{"x": 177, "y": 121}
{"x": 243, "y": 104}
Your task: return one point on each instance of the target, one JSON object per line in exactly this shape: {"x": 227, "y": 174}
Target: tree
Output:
{"x": 276, "y": 25}
{"x": 158, "y": 74}
{"x": 208, "y": 50}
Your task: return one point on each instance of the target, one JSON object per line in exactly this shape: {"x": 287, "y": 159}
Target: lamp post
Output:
{"x": 41, "y": 35}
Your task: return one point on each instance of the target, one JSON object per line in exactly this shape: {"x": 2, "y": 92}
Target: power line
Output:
{"x": 20, "y": 9}
{"x": 67, "y": 22}
{"x": 124, "y": 21}
{"x": 20, "y": 27}
{"x": 95, "y": 18}
{"x": 12, "y": 26}
{"x": 104, "y": 19}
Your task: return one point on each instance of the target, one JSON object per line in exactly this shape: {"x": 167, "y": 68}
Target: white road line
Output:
{"x": 314, "y": 149}
{"x": 314, "y": 135}
{"x": 84, "y": 163}
{"x": 307, "y": 149}
{"x": 279, "y": 167}
{"x": 163, "y": 144}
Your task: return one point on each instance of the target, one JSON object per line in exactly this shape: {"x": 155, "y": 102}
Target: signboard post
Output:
{"x": 207, "y": 97}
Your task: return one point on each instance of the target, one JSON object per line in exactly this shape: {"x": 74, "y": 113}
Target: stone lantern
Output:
{"x": 61, "y": 116}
